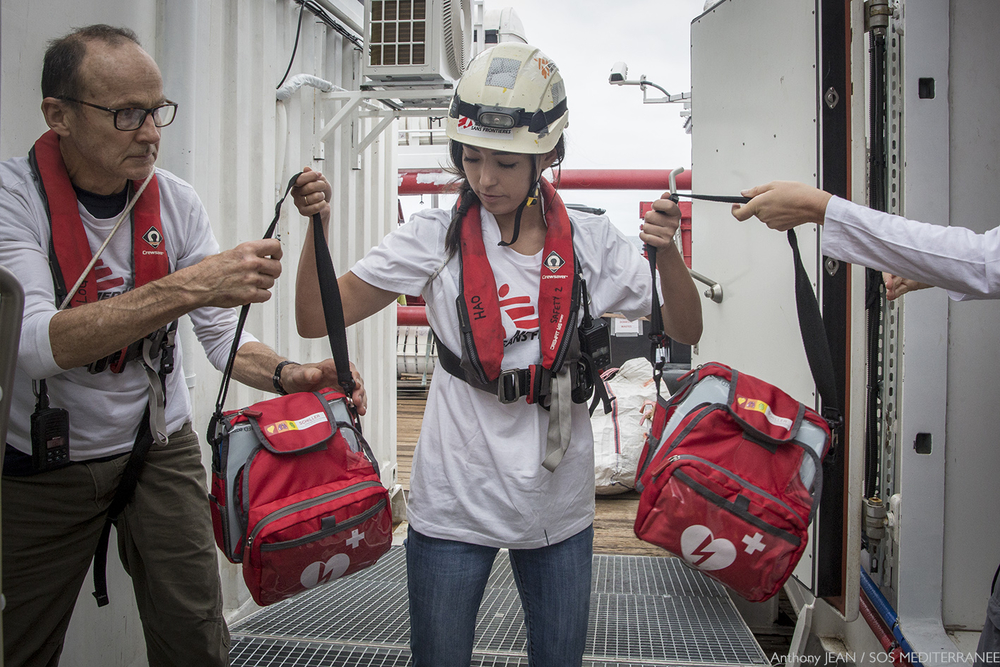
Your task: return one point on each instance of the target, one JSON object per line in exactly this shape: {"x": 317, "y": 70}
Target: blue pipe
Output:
{"x": 888, "y": 615}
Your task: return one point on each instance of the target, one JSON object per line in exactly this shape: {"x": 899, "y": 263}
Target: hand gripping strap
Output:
{"x": 332, "y": 310}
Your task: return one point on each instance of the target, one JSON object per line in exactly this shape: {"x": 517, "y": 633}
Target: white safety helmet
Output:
{"x": 511, "y": 98}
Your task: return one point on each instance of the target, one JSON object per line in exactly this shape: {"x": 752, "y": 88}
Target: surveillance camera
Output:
{"x": 619, "y": 72}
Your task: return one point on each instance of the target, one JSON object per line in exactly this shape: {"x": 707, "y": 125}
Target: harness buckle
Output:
{"x": 509, "y": 386}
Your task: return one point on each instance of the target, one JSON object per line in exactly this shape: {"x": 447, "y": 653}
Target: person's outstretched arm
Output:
{"x": 311, "y": 195}
{"x": 782, "y": 205}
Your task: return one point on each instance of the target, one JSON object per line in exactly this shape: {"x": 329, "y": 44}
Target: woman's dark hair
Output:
{"x": 61, "y": 67}
{"x": 467, "y": 198}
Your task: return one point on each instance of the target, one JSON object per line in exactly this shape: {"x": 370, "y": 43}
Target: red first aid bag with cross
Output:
{"x": 731, "y": 472}
{"x": 296, "y": 493}
{"x": 729, "y": 477}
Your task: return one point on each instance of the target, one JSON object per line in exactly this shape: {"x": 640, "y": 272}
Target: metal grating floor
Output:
{"x": 643, "y": 611}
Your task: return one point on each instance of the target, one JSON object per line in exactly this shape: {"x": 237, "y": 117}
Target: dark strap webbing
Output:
{"x": 332, "y": 310}
{"x": 123, "y": 494}
{"x": 814, "y": 339}
{"x": 813, "y": 333}
{"x": 130, "y": 476}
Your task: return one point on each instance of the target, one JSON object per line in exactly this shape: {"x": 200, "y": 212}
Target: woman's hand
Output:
{"x": 661, "y": 222}
{"x": 311, "y": 194}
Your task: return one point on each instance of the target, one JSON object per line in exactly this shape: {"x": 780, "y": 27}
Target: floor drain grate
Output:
{"x": 643, "y": 611}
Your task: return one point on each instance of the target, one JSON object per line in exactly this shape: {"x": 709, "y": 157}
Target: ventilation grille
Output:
{"x": 643, "y": 611}
{"x": 398, "y": 32}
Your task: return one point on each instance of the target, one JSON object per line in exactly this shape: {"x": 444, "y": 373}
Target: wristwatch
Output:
{"x": 277, "y": 376}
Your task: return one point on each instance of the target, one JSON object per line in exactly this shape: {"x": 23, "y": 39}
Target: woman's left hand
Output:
{"x": 312, "y": 193}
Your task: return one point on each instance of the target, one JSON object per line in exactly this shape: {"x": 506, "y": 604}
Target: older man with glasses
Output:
{"x": 95, "y": 396}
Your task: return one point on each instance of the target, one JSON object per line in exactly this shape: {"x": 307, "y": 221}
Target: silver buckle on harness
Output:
{"x": 508, "y": 387}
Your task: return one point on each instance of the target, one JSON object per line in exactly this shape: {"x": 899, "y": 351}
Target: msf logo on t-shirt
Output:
{"x": 521, "y": 312}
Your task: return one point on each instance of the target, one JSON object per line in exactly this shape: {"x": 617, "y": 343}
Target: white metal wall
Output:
{"x": 971, "y": 539}
{"x": 221, "y": 60}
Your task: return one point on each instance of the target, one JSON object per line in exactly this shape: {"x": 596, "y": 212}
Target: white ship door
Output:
{"x": 758, "y": 116}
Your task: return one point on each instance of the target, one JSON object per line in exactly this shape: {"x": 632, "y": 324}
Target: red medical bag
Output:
{"x": 731, "y": 472}
{"x": 296, "y": 493}
{"x": 730, "y": 476}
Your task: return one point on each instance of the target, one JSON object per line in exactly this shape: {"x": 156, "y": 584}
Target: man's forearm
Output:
{"x": 234, "y": 277}
{"x": 81, "y": 335}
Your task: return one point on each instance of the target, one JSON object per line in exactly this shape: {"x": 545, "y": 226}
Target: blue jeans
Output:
{"x": 446, "y": 582}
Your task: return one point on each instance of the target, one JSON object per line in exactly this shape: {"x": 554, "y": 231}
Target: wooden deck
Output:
{"x": 615, "y": 514}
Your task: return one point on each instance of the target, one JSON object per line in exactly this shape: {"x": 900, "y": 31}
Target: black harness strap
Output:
{"x": 130, "y": 476}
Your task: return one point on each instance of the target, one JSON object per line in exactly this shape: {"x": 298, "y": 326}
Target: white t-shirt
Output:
{"x": 105, "y": 409}
{"x": 477, "y": 470}
{"x": 955, "y": 258}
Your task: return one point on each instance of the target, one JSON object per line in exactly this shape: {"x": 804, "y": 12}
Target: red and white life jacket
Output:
{"x": 482, "y": 330}
{"x": 69, "y": 249}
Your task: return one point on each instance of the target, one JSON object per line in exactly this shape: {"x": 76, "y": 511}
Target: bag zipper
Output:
{"x": 312, "y": 537}
{"x": 727, "y": 473}
{"x": 744, "y": 514}
{"x": 303, "y": 504}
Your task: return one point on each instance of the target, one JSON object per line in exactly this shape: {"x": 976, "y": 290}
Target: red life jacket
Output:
{"x": 479, "y": 313}
{"x": 69, "y": 249}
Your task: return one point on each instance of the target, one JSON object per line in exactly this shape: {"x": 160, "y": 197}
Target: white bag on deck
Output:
{"x": 620, "y": 434}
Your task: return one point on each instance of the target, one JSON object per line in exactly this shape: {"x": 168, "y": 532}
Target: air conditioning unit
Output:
{"x": 416, "y": 41}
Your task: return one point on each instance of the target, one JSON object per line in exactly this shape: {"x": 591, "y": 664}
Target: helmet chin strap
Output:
{"x": 529, "y": 200}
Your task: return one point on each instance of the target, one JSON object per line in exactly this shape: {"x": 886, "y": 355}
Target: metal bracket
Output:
{"x": 714, "y": 291}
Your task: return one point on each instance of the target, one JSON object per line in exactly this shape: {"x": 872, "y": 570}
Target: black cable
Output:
{"x": 322, "y": 15}
{"x": 875, "y": 402}
{"x": 295, "y": 47}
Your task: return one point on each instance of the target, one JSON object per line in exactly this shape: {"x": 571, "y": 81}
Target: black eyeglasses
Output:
{"x": 127, "y": 120}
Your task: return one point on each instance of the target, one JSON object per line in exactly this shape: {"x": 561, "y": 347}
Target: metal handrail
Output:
{"x": 714, "y": 291}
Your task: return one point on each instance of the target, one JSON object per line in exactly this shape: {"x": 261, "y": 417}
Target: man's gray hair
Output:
{"x": 61, "y": 67}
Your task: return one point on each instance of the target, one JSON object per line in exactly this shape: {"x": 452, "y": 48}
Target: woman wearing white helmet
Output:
{"x": 510, "y": 277}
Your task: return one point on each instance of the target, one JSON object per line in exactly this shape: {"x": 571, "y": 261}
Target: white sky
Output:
{"x": 610, "y": 127}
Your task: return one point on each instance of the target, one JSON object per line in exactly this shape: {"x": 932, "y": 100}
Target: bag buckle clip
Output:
{"x": 509, "y": 386}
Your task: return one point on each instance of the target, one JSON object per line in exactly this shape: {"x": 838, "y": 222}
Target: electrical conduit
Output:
{"x": 888, "y": 616}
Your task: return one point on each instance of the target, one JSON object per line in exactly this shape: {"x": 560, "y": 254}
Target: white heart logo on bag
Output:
{"x": 321, "y": 573}
{"x": 706, "y": 551}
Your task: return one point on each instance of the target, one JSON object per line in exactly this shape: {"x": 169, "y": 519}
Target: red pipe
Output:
{"x": 432, "y": 181}
{"x": 881, "y": 632}
{"x": 411, "y": 316}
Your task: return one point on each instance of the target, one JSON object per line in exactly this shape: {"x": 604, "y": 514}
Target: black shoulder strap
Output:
{"x": 130, "y": 476}
{"x": 814, "y": 339}
{"x": 332, "y": 310}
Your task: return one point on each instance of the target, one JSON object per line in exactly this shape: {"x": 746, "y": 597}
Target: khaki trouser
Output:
{"x": 51, "y": 525}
